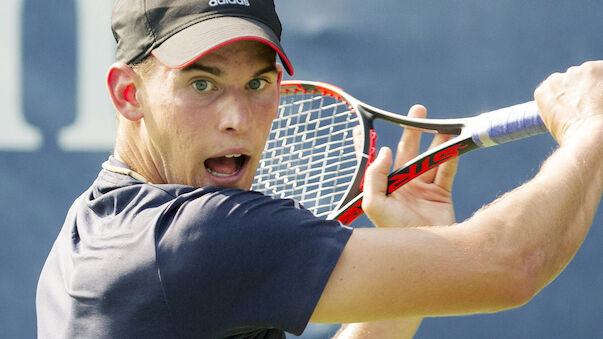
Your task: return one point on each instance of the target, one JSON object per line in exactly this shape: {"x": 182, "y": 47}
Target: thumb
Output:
{"x": 375, "y": 179}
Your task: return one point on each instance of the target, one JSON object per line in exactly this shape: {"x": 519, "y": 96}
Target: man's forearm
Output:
{"x": 545, "y": 221}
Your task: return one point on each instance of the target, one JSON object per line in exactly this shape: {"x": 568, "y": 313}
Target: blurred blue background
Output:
{"x": 458, "y": 58}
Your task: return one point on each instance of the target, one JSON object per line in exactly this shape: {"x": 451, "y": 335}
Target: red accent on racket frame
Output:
{"x": 398, "y": 180}
{"x": 294, "y": 87}
{"x": 406, "y": 174}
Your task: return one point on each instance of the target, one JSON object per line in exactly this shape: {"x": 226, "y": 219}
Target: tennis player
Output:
{"x": 168, "y": 242}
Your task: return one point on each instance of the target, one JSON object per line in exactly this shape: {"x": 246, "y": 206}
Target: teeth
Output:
{"x": 232, "y": 155}
{"x": 222, "y": 174}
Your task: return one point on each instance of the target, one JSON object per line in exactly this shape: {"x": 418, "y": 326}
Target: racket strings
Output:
{"x": 310, "y": 154}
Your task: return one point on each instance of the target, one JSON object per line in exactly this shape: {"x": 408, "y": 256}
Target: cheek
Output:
{"x": 160, "y": 111}
{"x": 267, "y": 110}
{"x": 264, "y": 121}
{"x": 172, "y": 108}
{"x": 175, "y": 126}
{"x": 189, "y": 130}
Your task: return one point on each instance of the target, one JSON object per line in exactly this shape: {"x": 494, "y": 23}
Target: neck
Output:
{"x": 137, "y": 157}
{"x": 116, "y": 169}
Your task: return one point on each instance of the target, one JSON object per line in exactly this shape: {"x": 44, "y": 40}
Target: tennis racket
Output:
{"x": 310, "y": 154}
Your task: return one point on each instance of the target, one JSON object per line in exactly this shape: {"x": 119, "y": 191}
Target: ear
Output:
{"x": 121, "y": 82}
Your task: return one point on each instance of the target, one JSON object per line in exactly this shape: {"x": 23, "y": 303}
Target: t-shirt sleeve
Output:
{"x": 231, "y": 261}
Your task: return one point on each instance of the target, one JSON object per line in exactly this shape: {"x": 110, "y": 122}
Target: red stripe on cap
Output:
{"x": 283, "y": 57}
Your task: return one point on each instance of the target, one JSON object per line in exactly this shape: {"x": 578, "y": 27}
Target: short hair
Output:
{"x": 144, "y": 68}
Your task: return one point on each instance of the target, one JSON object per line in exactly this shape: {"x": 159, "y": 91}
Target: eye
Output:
{"x": 256, "y": 84}
{"x": 203, "y": 85}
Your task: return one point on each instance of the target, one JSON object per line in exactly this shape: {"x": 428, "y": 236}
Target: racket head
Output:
{"x": 311, "y": 154}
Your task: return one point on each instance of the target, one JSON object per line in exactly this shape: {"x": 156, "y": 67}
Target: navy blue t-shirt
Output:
{"x": 137, "y": 260}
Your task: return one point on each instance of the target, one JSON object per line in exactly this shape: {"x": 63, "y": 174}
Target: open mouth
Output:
{"x": 227, "y": 165}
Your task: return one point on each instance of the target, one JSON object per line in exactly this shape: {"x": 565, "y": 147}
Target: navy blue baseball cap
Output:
{"x": 178, "y": 32}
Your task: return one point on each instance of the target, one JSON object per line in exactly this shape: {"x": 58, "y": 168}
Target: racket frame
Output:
{"x": 471, "y": 133}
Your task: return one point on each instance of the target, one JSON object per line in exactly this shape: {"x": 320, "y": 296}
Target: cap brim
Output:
{"x": 190, "y": 44}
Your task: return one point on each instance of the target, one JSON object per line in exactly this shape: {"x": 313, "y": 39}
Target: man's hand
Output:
{"x": 426, "y": 200}
{"x": 571, "y": 103}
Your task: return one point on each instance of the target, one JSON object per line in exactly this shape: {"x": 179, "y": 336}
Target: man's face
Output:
{"x": 207, "y": 124}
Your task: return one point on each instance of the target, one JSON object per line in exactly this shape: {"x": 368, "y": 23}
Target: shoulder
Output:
{"x": 216, "y": 211}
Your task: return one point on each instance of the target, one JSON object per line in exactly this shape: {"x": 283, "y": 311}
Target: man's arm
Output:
{"x": 503, "y": 255}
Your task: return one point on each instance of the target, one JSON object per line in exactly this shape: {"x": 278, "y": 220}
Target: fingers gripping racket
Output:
{"x": 310, "y": 155}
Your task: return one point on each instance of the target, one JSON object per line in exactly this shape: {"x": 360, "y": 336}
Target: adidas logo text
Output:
{"x": 214, "y": 3}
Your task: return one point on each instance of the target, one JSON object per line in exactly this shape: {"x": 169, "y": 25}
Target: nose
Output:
{"x": 235, "y": 114}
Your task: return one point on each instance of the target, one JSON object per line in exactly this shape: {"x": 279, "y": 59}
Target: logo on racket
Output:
{"x": 416, "y": 169}
{"x": 406, "y": 175}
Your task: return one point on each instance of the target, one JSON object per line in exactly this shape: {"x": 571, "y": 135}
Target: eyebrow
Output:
{"x": 207, "y": 69}
{"x": 268, "y": 69}
{"x": 216, "y": 71}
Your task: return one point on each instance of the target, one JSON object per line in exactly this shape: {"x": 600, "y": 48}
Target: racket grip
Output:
{"x": 507, "y": 124}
